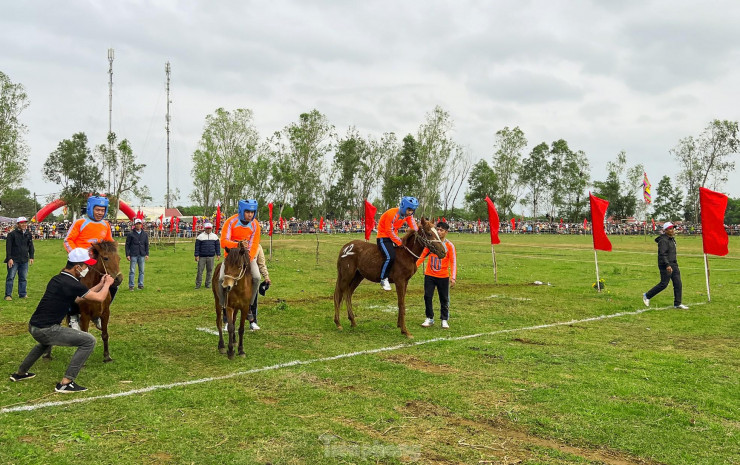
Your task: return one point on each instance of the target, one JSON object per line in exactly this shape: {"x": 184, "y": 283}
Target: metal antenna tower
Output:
{"x": 167, "y": 127}
{"x": 110, "y": 108}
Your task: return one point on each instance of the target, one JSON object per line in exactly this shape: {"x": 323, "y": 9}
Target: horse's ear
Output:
{"x": 226, "y": 249}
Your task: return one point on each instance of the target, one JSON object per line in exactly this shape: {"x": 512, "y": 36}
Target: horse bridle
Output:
{"x": 241, "y": 273}
{"x": 424, "y": 241}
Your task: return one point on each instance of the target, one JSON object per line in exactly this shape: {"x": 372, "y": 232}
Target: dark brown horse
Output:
{"x": 108, "y": 262}
{"x": 233, "y": 295}
{"x": 360, "y": 260}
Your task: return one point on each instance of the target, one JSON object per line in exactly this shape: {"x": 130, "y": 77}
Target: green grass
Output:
{"x": 656, "y": 387}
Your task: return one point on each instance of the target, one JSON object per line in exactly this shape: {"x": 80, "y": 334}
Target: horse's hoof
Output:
{"x": 353, "y": 324}
{"x": 408, "y": 336}
{"x": 339, "y": 328}
{"x": 242, "y": 355}
{"x": 107, "y": 359}
{"x": 222, "y": 350}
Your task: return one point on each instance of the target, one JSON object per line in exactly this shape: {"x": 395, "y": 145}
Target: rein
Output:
{"x": 241, "y": 274}
{"x": 424, "y": 241}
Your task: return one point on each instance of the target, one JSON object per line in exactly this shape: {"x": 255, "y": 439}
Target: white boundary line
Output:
{"x": 156, "y": 387}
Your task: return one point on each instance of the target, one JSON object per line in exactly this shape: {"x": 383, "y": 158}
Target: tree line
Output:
{"x": 307, "y": 169}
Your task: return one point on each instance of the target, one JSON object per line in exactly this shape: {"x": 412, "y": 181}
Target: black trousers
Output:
{"x": 443, "y": 289}
{"x": 665, "y": 277}
{"x": 388, "y": 249}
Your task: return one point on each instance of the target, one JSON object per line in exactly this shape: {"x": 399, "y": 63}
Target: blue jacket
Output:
{"x": 137, "y": 244}
{"x": 207, "y": 245}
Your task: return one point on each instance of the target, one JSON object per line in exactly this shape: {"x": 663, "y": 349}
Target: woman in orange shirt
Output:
{"x": 388, "y": 225}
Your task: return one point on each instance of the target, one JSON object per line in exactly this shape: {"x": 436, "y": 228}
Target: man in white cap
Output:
{"x": 668, "y": 267}
{"x": 137, "y": 252}
{"x": 18, "y": 255}
{"x": 207, "y": 247}
{"x": 62, "y": 291}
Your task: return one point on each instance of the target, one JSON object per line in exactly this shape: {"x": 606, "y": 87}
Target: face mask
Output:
{"x": 83, "y": 273}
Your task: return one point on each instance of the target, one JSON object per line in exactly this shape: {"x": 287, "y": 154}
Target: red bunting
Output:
{"x": 513, "y": 224}
{"x": 217, "y": 226}
{"x": 370, "y": 211}
{"x": 282, "y": 224}
{"x": 598, "y": 211}
{"x": 321, "y": 224}
{"x": 172, "y": 222}
{"x": 713, "y": 233}
{"x": 493, "y": 221}
{"x": 269, "y": 208}
{"x": 585, "y": 223}
{"x": 161, "y": 222}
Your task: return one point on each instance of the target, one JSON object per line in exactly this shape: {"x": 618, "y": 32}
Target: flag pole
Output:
{"x": 495, "y": 271}
{"x": 270, "y": 247}
{"x": 706, "y": 273}
{"x": 596, "y": 260}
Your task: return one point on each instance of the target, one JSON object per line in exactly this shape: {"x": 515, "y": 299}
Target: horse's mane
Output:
{"x": 234, "y": 256}
{"x": 108, "y": 246}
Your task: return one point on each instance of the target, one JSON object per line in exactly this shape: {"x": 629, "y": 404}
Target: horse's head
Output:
{"x": 235, "y": 265}
{"x": 427, "y": 235}
{"x": 106, "y": 253}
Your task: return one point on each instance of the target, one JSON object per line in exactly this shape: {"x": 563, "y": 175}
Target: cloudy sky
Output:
{"x": 605, "y": 76}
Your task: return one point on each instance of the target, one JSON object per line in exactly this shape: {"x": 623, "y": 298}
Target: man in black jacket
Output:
{"x": 137, "y": 252}
{"x": 668, "y": 267}
{"x": 207, "y": 246}
{"x": 18, "y": 255}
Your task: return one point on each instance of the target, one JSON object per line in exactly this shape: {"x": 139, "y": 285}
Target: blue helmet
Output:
{"x": 408, "y": 202}
{"x": 96, "y": 201}
{"x": 249, "y": 205}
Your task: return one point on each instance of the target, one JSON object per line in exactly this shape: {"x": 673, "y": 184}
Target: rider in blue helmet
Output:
{"x": 408, "y": 203}
{"x": 249, "y": 205}
{"x": 96, "y": 201}
{"x": 388, "y": 239}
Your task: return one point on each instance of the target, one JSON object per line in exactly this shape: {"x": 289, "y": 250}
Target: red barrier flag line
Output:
{"x": 217, "y": 226}
{"x": 494, "y": 223}
{"x": 713, "y": 234}
{"x": 272, "y": 227}
{"x": 370, "y": 211}
{"x": 601, "y": 242}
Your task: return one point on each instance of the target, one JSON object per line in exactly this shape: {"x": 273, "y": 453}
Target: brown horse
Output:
{"x": 108, "y": 262}
{"x": 236, "y": 290}
{"x": 360, "y": 260}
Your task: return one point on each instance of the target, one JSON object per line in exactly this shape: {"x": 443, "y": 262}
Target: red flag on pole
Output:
{"x": 713, "y": 233}
{"x": 561, "y": 222}
{"x": 513, "y": 224}
{"x": 370, "y": 211}
{"x": 177, "y": 224}
{"x": 653, "y": 221}
{"x": 217, "y": 226}
{"x": 161, "y": 222}
{"x": 195, "y": 222}
{"x": 282, "y": 224}
{"x": 598, "y": 211}
{"x": 172, "y": 222}
{"x": 585, "y": 223}
{"x": 321, "y": 224}
{"x": 269, "y": 207}
{"x": 478, "y": 224}
{"x": 493, "y": 220}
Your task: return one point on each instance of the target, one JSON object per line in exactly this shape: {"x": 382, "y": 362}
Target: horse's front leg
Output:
{"x": 401, "y": 292}
{"x": 241, "y": 333}
{"x": 104, "y": 318}
{"x": 230, "y": 315}
{"x": 220, "y": 326}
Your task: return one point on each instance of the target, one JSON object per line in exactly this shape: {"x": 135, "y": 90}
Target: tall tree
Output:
{"x": 732, "y": 214}
{"x": 73, "y": 168}
{"x": 456, "y": 173}
{"x": 121, "y": 163}
{"x": 619, "y": 188}
{"x": 13, "y": 149}
{"x": 17, "y": 202}
{"x": 402, "y": 173}
{"x": 534, "y": 175}
{"x": 506, "y": 164}
{"x": 668, "y": 201}
{"x": 483, "y": 181}
{"x": 350, "y": 154}
{"x": 434, "y": 148}
{"x": 570, "y": 176}
{"x": 369, "y": 172}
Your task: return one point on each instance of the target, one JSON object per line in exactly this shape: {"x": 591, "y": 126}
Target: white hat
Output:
{"x": 137, "y": 221}
{"x": 80, "y": 255}
{"x": 22, "y": 219}
{"x": 668, "y": 225}
{"x": 208, "y": 225}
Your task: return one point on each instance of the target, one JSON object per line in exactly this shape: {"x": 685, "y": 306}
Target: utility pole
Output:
{"x": 110, "y": 108}
{"x": 167, "y": 127}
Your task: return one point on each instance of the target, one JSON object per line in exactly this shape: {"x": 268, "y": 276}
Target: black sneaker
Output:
{"x": 69, "y": 387}
{"x": 19, "y": 377}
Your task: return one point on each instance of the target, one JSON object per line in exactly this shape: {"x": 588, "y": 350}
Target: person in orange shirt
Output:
{"x": 388, "y": 225}
{"x": 440, "y": 274}
{"x": 243, "y": 227}
{"x": 82, "y": 234}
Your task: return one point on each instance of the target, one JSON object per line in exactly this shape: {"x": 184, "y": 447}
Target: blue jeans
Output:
{"x": 21, "y": 269}
{"x": 132, "y": 269}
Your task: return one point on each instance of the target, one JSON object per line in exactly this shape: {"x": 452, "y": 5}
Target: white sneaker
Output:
{"x": 445, "y": 325}
{"x": 98, "y": 323}
{"x": 253, "y": 326}
{"x": 427, "y": 323}
{"x": 681, "y": 306}
{"x": 385, "y": 284}
{"x": 645, "y": 300}
{"x": 74, "y": 322}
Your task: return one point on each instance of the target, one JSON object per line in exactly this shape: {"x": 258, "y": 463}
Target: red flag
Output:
{"x": 269, "y": 207}
{"x": 493, "y": 220}
{"x": 177, "y": 224}
{"x": 172, "y": 222}
{"x": 370, "y": 211}
{"x": 444, "y": 219}
{"x": 217, "y": 226}
{"x": 282, "y": 224}
{"x": 585, "y": 223}
{"x": 713, "y": 233}
{"x": 195, "y": 223}
{"x": 653, "y": 220}
{"x": 598, "y": 211}
{"x": 513, "y": 224}
{"x": 478, "y": 224}
{"x": 161, "y": 222}
{"x": 561, "y": 222}
{"x": 321, "y": 224}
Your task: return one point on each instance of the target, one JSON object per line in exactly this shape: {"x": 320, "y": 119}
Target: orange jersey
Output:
{"x": 440, "y": 267}
{"x": 234, "y": 231}
{"x": 390, "y": 222}
{"x": 85, "y": 232}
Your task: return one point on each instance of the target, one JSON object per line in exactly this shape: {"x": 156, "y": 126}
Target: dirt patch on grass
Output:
{"x": 416, "y": 363}
{"x": 528, "y": 341}
{"x": 13, "y": 329}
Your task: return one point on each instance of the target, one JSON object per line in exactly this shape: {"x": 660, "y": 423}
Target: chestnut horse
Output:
{"x": 360, "y": 260}
{"x": 236, "y": 290}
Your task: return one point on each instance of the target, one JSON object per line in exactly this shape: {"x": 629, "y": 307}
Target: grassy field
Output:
{"x": 662, "y": 386}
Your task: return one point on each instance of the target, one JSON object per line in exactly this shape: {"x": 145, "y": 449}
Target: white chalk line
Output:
{"x": 156, "y": 387}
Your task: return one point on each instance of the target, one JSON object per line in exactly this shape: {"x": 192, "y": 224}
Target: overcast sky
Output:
{"x": 605, "y": 75}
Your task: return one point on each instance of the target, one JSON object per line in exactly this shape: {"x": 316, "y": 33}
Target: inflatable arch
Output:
{"x": 44, "y": 212}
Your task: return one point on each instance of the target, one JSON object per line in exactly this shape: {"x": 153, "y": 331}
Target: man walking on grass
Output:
{"x": 668, "y": 267}
{"x": 18, "y": 255}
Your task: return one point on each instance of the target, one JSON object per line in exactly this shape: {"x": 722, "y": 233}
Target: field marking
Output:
{"x": 156, "y": 387}
{"x": 208, "y": 330}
